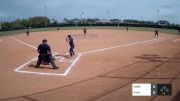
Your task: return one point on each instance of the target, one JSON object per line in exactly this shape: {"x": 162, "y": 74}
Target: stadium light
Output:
{"x": 108, "y": 14}
{"x": 141, "y": 20}
{"x": 45, "y": 7}
{"x": 158, "y": 15}
{"x": 82, "y": 16}
{"x": 23, "y": 16}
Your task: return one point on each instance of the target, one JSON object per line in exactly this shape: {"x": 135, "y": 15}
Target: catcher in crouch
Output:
{"x": 45, "y": 56}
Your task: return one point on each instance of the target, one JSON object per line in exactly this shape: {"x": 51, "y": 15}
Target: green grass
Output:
{"x": 169, "y": 31}
{"x": 162, "y": 30}
{"x": 24, "y": 31}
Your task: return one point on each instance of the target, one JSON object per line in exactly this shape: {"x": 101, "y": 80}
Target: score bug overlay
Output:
{"x": 148, "y": 89}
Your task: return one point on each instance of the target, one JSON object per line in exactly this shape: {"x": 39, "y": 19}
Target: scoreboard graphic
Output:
{"x": 147, "y": 89}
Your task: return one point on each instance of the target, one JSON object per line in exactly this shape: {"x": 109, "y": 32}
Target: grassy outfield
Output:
{"x": 24, "y": 31}
{"x": 169, "y": 31}
{"x": 162, "y": 30}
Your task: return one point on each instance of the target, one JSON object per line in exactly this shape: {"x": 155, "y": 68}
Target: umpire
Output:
{"x": 45, "y": 55}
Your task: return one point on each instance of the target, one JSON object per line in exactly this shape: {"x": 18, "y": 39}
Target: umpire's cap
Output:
{"x": 44, "y": 40}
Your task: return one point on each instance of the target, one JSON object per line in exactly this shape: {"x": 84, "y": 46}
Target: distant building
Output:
{"x": 66, "y": 21}
{"x": 115, "y": 21}
{"x": 163, "y": 23}
{"x": 103, "y": 21}
{"x": 76, "y": 21}
{"x": 131, "y": 21}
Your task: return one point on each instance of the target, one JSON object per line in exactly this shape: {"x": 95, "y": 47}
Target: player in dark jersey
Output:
{"x": 45, "y": 55}
{"x": 85, "y": 30}
{"x": 127, "y": 28}
{"x": 27, "y": 32}
{"x": 69, "y": 39}
{"x": 156, "y": 32}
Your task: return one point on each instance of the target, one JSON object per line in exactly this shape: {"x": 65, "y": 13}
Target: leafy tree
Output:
{"x": 25, "y": 23}
{"x": 39, "y": 21}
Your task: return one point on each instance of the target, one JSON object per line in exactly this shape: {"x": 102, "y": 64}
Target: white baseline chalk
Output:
{"x": 129, "y": 44}
{"x": 72, "y": 65}
{"x": 23, "y": 42}
{"x": 80, "y": 54}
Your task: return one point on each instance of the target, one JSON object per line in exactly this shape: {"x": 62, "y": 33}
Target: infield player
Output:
{"x": 127, "y": 28}
{"x": 45, "y": 55}
{"x": 27, "y": 32}
{"x": 84, "y": 30}
{"x": 69, "y": 39}
{"x": 156, "y": 32}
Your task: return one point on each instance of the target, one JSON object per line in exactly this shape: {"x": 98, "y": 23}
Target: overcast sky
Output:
{"x": 121, "y": 9}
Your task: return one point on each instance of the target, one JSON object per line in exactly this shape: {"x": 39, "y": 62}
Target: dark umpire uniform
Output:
{"x": 45, "y": 55}
{"x": 71, "y": 44}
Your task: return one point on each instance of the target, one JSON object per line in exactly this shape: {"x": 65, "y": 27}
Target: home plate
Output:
{"x": 45, "y": 68}
{"x": 68, "y": 58}
{"x": 63, "y": 70}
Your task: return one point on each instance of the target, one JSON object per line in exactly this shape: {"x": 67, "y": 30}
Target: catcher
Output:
{"x": 45, "y": 56}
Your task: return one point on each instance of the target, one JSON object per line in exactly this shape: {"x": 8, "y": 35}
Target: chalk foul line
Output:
{"x": 128, "y": 44}
{"x": 19, "y": 69}
{"x": 42, "y": 73}
{"x": 23, "y": 42}
{"x": 80, "y": 54}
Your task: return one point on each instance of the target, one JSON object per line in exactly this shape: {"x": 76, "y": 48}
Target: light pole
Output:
{"x": 158, "y": 14}
{"x": 82, "y": 16}
{"x": 45, "y": 7}
{"x": 108, "y": 14}
{"x": 132, "y": 20}
{"x": 23, "y": 16}
{"x": 141, "y": 20}
{"x": 157, "y": 17}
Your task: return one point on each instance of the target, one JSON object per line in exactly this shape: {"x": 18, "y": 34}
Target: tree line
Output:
{"x": 41, "y": 21}
{"x": 34, "y": 22}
